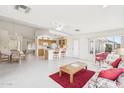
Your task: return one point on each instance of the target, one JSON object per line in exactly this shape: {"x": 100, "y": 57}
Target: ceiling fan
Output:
{"x": 58, "y": 26}
{"x": 63, "y": 28}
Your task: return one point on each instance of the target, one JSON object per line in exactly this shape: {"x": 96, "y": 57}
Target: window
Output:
{"x": 105, "y": 44}
{"x": 91, "y": 46}
{"x": 114, "y": 42}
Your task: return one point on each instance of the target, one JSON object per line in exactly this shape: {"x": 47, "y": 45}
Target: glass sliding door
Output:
{"x": 113, "y": 43}
{"x": 105, "y": 44}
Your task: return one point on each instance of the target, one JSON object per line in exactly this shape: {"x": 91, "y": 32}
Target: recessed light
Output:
{"x": 77, "y": 30}
{"x": 105, "y": 6}
{"x": 22, "y": 8}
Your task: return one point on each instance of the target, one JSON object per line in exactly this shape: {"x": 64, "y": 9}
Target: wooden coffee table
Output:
{"x": 72, "y": 68}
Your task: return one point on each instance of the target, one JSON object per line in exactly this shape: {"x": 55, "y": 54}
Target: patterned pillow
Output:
{"x": 105, "y": 83}
{"x": 111, "y": 57}
{"x": 121, "y": 64}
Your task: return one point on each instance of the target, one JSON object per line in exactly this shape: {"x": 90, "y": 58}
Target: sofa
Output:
{"x": 107, "y": 83}
{"x": 109, "y": 78}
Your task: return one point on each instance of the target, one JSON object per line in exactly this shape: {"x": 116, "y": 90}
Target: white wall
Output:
{"x": 69, "y": 46}
{"x": 122, "y": 41}
{"x": 20, "y": 29}
{"x": 25, "y": 43}
{"x": 9, "y": 29}
{"x": 4, "y": 40}
{"x": 84, "y": 47}
{"x": 8, "y": 42}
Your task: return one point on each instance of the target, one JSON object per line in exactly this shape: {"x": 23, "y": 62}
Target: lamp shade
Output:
{"x": 120, "y": 51}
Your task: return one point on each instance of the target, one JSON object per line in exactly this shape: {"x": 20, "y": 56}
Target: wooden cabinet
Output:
{"x": 49, "y": 42}
{"x": 40, "y": 52}
{"x": 62, "y": 42}
{"x": 46, "y": 54}
{"x": 43, "y": 52}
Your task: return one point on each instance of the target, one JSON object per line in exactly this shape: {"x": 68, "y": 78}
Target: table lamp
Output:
{"x": 120, "y": 51}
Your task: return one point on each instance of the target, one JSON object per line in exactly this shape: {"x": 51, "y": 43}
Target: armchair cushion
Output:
{"x": 120, "y": 79}
{"x": 105, "y": 83}
{"x": 102, "y": 83}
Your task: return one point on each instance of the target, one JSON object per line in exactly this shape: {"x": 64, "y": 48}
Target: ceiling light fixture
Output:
{"x": 23, "y": 8}
{"x": 58, "y": 26}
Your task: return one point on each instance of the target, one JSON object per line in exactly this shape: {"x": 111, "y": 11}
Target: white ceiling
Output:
{"x": 86, "y": 18}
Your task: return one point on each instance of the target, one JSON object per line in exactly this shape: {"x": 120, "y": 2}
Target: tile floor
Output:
{"x": 34, "y": 72}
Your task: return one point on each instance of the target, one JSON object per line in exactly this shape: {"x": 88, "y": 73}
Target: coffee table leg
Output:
{"x": 86, "y": 67}
{"x": 10, "y": 58}
{"x": 71, "y": 78}
{"x": 60, "y": 73}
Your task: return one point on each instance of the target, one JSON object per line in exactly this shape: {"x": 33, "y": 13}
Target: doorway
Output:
{"x": 75, "y": 48}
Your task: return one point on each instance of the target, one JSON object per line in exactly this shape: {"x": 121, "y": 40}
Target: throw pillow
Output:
{"x": 121, "y": 64}
{"x": 111, "y": 57}
{"x": 111, "y": 74}
{"x": 116, "y": 62}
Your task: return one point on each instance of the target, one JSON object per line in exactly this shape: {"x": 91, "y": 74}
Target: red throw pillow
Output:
{"x": 116, "y": 62}
{"x": 111, "y": 74}
{"x": 122, "y": 69}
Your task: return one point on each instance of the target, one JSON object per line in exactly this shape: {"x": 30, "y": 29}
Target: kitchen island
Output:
{"x": 46, "y": 53}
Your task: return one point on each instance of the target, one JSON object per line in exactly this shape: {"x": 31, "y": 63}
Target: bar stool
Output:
{"x": 63, "y": 52}
{"x": 56, "y": 54}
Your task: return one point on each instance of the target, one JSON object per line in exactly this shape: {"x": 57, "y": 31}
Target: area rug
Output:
{"x": 80, "y": 78}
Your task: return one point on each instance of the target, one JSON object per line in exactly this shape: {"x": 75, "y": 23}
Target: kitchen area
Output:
{"x": 49, "y": 47}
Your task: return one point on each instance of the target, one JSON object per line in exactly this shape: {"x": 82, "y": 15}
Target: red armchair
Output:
{"x": 101, "y": 57}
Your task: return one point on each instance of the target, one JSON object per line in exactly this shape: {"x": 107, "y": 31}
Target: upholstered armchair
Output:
{"x": 101, "y": 57}
{"x": 3, "y": 57}
{"x": 22, "y": 55}
{"x": 15, "y": 56}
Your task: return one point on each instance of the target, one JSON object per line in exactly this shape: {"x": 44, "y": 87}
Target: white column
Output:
{"x": 94, "y": 50}
{"x": 4, "y": 40}
{"x": 122, "y": 41}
